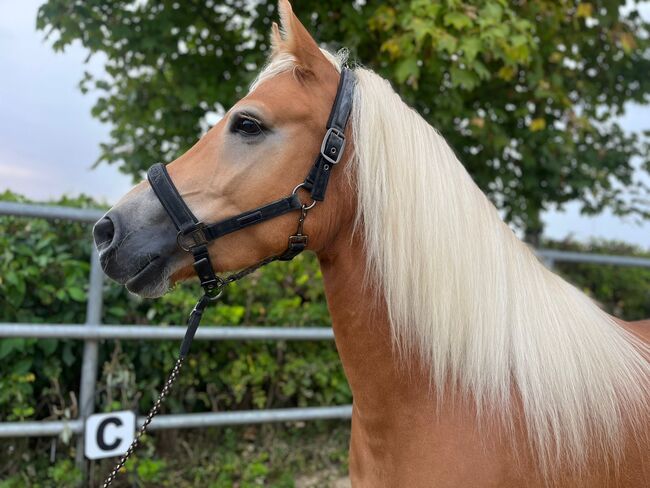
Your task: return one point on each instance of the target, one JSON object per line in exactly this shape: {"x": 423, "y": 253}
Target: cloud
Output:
{"x": 14, "y": 171}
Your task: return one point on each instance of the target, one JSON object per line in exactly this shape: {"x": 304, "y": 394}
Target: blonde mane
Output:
{"x": 474, "y": 302}
{"x": 467, "y": 296}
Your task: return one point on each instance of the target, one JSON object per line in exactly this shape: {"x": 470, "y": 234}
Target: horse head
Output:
{"x": 260, "y": 151}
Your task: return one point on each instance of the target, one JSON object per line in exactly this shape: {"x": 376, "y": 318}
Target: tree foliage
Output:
{"x": 526, "y": 92}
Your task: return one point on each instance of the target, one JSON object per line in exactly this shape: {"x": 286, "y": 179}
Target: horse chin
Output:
{"x": 151, "y": 282}
{"x": 149, "y": 290}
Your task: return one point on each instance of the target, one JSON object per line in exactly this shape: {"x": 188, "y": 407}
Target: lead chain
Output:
{"x": 143, "y": 429}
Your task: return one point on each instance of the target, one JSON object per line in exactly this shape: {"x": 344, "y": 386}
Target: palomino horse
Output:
{"x": 470, "y": 363}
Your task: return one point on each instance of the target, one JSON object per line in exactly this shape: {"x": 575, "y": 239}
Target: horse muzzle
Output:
{"x": 134, "y": 245}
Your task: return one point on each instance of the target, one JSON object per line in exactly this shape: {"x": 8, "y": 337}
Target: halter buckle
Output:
{"x": 298, "y": 240}
{"x": 192, "y": 238}
{"x": 333, "y": 145}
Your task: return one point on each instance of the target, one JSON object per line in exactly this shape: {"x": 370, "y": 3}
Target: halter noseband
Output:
{"x": 194, "y": 236}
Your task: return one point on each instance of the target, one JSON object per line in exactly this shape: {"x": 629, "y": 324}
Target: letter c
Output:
{"x": 100, "y": 434}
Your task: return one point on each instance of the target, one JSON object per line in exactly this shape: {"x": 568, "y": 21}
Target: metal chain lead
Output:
{"x": 173, "y": 376}
{"x": 246, "y": 271}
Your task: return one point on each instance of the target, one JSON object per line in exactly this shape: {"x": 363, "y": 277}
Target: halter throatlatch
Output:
{"x": 194, "y": 236}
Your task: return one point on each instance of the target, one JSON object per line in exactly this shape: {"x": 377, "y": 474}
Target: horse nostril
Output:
{"x": 103, "y": 233}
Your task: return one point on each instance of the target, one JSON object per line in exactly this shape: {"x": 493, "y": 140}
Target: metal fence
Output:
{"x": 93, "y": 331}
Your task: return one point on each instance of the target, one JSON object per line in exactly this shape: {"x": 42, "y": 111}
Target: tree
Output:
{"x": 526, "y": 92}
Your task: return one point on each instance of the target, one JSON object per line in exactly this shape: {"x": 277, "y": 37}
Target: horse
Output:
{"x": 470, "y": 363}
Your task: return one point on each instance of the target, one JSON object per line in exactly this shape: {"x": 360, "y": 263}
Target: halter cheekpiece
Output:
{"x": 194, "y": 236}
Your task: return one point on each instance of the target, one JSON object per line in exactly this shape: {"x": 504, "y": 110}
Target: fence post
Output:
{"x": 89, "y": 362}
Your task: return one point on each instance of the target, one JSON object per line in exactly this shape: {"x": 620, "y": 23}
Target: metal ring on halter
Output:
{"x": 212, "y": 298}
{"x": 305, "y": 207}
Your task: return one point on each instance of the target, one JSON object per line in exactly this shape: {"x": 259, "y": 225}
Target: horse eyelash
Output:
{"x": 246, "y": 115}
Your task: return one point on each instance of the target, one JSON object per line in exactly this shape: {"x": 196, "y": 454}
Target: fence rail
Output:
{"x": 49, "y": 428}
{"x": 160, "y": 332}
{"x": 93, "y": 331}
{"x": 88, "y": 215}
{"x": 550, "y": 256}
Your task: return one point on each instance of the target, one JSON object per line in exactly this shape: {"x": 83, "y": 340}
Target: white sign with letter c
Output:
{"x": 108, "y": 434}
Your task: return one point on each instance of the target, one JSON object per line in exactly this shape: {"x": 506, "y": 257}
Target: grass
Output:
{"x": 291, "y": 455}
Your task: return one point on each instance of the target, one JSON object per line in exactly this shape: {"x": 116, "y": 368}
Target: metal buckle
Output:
{"x": 196, "y": 235}
{"x": 298, "y": 239}
{"x": 335, "y": 152}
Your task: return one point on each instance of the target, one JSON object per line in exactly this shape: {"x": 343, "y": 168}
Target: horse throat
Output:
{"x": 361, "y": 326}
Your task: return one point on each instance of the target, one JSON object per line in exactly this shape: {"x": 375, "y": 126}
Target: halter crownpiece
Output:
{"x": 194, "y": 236}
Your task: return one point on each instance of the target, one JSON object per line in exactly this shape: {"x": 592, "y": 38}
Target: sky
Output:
{"x": 49, "y": 141}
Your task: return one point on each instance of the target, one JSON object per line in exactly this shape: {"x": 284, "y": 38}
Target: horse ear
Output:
{"x": 293, "y": 38}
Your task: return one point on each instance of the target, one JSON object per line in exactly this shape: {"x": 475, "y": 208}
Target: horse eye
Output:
{"x": 247, "y": 127}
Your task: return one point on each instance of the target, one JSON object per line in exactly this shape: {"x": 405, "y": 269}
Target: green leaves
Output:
{"x": 584, "y": 9}
{"x": 77, "y": 294}
{"x": 491, "y": 13}
{"x": 470, "y": 47}
{"x": 407, "y": 69}
{"x": 457, "y": 20}
{"x": 524, "y": 70}
{"x": 8, "y": 345}
{"x": 463, "y": 78}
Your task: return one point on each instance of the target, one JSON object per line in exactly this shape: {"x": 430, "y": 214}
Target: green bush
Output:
{"x": 43, "y": 275}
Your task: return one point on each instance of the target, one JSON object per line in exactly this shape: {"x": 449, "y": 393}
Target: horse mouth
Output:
{"x": 146, "y": 278}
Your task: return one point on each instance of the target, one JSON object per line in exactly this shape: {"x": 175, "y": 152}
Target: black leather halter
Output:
{"x": 194, "y": 236}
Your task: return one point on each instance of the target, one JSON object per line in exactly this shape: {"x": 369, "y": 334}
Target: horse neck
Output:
{"x": 363, "y": 337}
{"x": 401, "y": 428}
